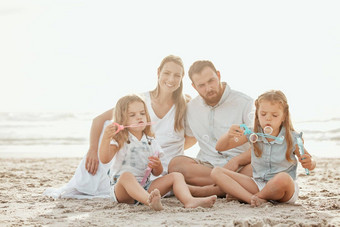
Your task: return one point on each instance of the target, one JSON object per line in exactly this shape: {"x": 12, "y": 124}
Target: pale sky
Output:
{"x": 79, "y": 55}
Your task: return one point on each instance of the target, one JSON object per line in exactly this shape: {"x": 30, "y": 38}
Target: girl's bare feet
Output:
{"x": 201, "y": 202}
{"x": 154, "y": 200}
{"x": 255, "y": 201}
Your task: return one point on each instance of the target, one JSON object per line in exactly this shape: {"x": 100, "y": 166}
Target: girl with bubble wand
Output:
{"x": 132, "y": 149}
{"x": 273, "y": 158}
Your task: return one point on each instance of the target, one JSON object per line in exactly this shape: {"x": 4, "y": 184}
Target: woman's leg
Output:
{"x": 127, "y": 190}
{"x": 180, "y": 188}
{"x": 235, "y": 184}
{"x": 280, "y": 188}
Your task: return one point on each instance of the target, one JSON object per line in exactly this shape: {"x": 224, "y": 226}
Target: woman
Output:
{"x": 166, "y": 105}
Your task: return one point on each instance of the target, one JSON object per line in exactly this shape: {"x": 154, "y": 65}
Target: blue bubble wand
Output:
{"x": 301, "y": 150}
{"x": 254, "y": 136}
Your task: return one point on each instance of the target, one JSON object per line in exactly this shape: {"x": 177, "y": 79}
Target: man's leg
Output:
{"x": 194, "y": 173}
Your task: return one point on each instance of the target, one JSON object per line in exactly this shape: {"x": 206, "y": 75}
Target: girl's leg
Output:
{"x": 234, "y": 184}
{"x": 128, "y": 189}
{"x": 176, "y": 181}
{"x": 280, "y": 188}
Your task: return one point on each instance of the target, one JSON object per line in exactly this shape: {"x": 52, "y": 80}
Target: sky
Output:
{"x": 81, "y": 55}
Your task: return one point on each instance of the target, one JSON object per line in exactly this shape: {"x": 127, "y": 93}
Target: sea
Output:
{"x": 50, "y": 135}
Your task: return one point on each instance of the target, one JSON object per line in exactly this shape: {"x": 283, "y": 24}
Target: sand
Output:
{"x": 22, "y": 182}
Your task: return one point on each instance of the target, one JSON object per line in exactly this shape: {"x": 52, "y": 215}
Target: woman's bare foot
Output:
{"x": 154, "y": 200}
{"x": 255, "y": 201}
{"x": 201, "y": 202}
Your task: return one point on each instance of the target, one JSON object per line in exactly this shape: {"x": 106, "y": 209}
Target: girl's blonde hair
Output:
{"x": 121, "y": 114}
{"x": 275, "y": 96}
{"x": 177, "y": 96}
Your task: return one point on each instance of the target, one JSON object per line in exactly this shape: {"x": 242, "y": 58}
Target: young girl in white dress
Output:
{"x": 132, "y": 150}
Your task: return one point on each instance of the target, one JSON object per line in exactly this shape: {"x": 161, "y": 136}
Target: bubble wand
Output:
{"x": 122, "y": 127}
{"x": 254, "y": 136}
{"x": 148, "y": 171}
{"x": 301, "y": 150}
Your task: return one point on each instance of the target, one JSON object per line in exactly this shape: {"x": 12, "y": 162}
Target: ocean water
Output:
{"x": 67, "y": 135}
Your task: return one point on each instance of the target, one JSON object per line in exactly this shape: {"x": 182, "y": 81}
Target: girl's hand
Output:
{"x": 233, "y": 138}
{"x": 154, "y": 162}
{"x": 235, "y": 131}
{"x": 156, "y": 165}
{"x": 110, "y": 131}
{"x": 306, "y": 159}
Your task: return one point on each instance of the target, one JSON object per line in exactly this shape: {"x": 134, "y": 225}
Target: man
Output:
{"x": 208, "y": 117}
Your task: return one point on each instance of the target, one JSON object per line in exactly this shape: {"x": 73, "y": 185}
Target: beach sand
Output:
{"x": 22, "y": 182}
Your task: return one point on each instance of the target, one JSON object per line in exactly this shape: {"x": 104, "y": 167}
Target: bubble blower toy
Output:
{"x": 253, "y": 137}
{"x": 122, "y": 127}
{"x": 148, "y": 171}
{"x": 301, "y": 150}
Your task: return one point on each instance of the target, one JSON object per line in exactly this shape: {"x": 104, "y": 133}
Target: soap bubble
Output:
{"x": 268, "y": 130}
{"x": 251, "y": 116}
{"x": 253, "y": 138}
{"x": 236, "y": 139}
{"x": 206, "y": 138}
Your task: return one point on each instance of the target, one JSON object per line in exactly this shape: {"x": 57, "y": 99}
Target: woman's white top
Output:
{"x": 171, "y": 141}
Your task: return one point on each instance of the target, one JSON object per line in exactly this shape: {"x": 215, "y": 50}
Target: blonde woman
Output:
{"x": 166, "y": 105}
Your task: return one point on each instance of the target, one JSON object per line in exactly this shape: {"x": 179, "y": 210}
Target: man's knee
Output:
{"x": 177, "y": 164}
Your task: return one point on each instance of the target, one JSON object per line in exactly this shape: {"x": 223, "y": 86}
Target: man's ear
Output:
{"x": 193, "y": 85}
{"x": 218, "y": 75}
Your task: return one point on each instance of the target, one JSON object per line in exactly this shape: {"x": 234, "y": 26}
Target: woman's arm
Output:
{"x": 91, "y": 163}
{"x": 233, "y": 138}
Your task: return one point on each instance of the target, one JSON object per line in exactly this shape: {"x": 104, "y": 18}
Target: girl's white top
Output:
{"x": 171, "y": 141}
{"x": 133, "y": 157}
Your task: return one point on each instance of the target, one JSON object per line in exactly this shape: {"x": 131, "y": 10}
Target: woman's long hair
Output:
{"x": 120, "y": 117}
{"x": 177, "y": 96}
{"x": 275, "y": 96}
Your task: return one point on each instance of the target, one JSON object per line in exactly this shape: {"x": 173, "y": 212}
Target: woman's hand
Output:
{"x": 92, "y": 162}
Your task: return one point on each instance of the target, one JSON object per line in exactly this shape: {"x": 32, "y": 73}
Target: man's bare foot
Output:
{"x": 154, "y": 200}
{"x": 255, "y": 201}
{"x": 206, "y": 202}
